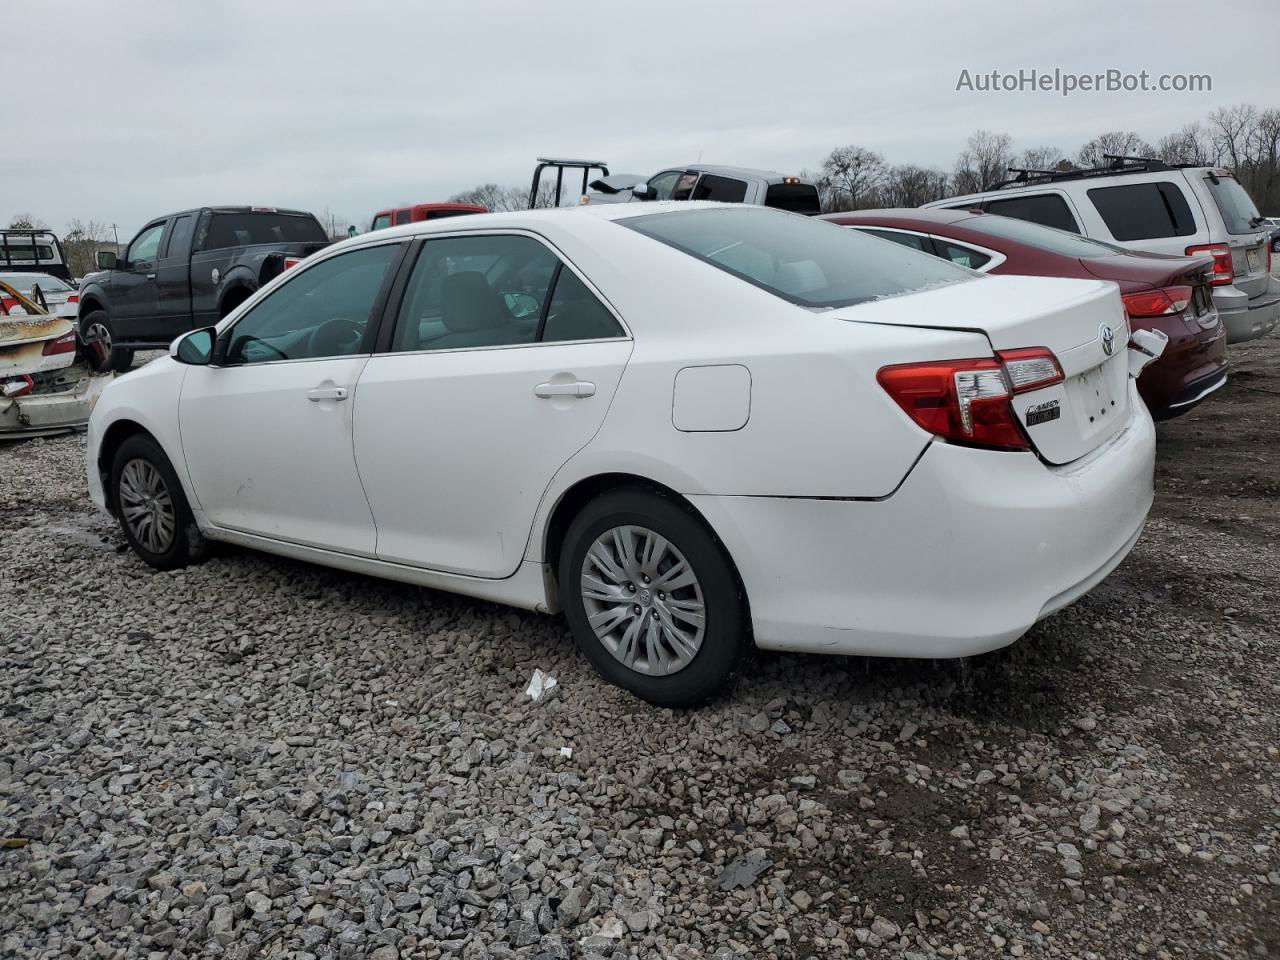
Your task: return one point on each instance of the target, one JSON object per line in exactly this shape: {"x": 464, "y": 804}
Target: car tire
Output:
{"x": 97, "y": 326}
{"x": 638, "y": 636}
{"x": 164, "y": 534}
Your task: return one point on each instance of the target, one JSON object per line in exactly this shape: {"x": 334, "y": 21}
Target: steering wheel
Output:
{"x": 335, "y": 337}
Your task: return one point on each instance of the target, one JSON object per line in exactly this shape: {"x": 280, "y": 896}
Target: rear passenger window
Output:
{"x": 575, "y": 313}
{"x": 912, "y": 240}
{"x": 724, "y": 189}
{"x": 964, "y": 256}
{"x": 1144, "y": 211}
{"x": 1048, "y": 209}
{"x": 403, "y": 216}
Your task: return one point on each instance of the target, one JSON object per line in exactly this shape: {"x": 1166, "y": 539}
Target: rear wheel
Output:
{"x": 652, "y": 598}
{"x": 151, "y": 506}
{"x": 96, "y": 328}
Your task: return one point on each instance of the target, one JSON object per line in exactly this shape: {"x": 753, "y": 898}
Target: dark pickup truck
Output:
{"x": 188, "y": 270}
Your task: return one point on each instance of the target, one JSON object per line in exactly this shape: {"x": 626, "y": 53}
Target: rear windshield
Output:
{"x": 242, "y": 229}
{"x": 18, "y": 252}
{"x": 1034, "y": 235}
{"x": 23, "y": 282}
{"x": 441, "y": 214}
{"x": 796, "y": 197}
{"x": 1238, "y": 210}
{"x": 807, "y": 262}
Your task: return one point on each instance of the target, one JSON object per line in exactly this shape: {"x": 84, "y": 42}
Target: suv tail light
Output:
{"x": 1158, "y": 303}
{"x": 1223, "y": 270}
{"x": 63, "y": 344}
{"x": 968, "y": 400}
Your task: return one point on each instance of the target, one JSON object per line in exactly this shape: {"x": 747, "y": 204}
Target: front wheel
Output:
{"x": 96, "y": 328}
{"x": 652, "y": 598}
{"x": 151, "y": 506}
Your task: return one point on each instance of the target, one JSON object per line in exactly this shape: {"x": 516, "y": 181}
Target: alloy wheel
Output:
{"x": 643, "y": 600}
{"x": 147, "y": 506}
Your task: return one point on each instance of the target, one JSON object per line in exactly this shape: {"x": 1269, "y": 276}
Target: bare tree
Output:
{"x": 27, "y": 221}
{"x": 81, "y": 244}
{"x": 498, "y": 198}
{"x": 910, "y": 186}
{"x": 984, "y": 162}
{"x": 1042, "y": 158}
{"x": 852, "y": 175}
{"x": 1116, "y": 143}
{"x": 1191, "y": 144}
{"x": 1231, "y": 130}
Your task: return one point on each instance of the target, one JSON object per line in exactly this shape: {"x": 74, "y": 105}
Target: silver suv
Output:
{"x": 1149, "y": 205}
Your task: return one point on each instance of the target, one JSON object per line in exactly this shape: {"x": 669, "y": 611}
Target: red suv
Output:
{"x": 1169, "y": 294}
{"x": 423, "y": 211}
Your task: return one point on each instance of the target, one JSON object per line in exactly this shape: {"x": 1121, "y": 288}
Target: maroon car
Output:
{"x": 1169, "y": 294}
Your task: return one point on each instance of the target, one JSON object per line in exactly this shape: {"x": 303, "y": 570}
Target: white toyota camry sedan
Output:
{"x": 693, "y": 428}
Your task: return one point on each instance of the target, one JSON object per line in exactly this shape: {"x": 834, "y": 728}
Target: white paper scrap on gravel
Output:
{"x": 541, "y": 685}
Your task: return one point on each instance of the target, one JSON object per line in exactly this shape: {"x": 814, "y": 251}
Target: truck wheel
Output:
{"x": 96, "y": 328}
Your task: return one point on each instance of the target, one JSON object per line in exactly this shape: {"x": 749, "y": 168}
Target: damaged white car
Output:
{"x": 47, "y": 383}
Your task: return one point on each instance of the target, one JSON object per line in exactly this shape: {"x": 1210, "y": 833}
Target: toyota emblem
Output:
{"x": 1108, "y": 338}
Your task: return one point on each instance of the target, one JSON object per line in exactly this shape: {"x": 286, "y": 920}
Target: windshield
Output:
{"x": 804, "y": 261}
{"x": 23, "y": 282}
{"x": 1049, "y": 239}
{"x": 1238, "y": 210}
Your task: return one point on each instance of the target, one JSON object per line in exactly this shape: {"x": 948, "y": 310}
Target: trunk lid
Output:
{"x": 1081, "y": 321}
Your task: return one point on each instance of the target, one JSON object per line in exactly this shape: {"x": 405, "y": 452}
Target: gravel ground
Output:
{"x": 256, "y": 757}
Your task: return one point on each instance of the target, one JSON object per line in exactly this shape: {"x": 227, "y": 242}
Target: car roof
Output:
{"x": 544, "y": 216}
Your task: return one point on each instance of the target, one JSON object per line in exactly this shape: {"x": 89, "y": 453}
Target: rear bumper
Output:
{"x": 1193, "y": 365}
{"x": 48, "y": 413}
{"x": 1248, "y": 319}
{"x": 973, "y": 549}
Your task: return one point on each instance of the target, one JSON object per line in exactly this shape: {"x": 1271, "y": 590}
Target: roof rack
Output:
{"x": 1112, "y": 165}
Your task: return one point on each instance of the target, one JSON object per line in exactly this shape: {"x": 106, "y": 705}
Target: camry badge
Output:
{"x": 1108, "y": 338}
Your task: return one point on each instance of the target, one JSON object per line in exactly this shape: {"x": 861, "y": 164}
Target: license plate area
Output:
{"x": 1094, "y": 394}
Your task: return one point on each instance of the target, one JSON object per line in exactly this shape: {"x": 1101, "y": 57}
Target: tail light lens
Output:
{"x": 7, "y": 304}
{"x": 74, "y": 298}
{"x": 1223, "y": 270}
{"x": 63, "y": 344}
{"x": 1158, "y": 303}
{"x": 968, "y": 400}
{"x": 18, "y": 387}
{"x": 291, "y": 262}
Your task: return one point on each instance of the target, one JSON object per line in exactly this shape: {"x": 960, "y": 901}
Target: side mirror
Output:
{"x": 195, "y": 348}
{"x": 107, "y": 260}
{"x": 642, "y": 191}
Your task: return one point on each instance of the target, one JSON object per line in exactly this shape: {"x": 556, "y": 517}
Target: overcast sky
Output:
{"x": 138, "y": 109}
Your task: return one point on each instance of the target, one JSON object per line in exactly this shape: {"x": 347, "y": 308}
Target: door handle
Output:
{"x": 327, "y": 393}
{"x": 575, "y": 388}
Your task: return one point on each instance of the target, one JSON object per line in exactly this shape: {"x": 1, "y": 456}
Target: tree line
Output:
{"x": 1243, "y": 138}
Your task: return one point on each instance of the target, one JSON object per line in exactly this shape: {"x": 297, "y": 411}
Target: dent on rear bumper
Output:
{"x": 973, "y": 549}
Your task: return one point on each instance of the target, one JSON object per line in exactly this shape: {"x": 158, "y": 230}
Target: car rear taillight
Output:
{"x": 74, "y": 298}
{"x": 18, "y": 387}
{"x": 7, "y": 304}
{"x": 968, "y": 400}
{"x": 1223, "y": 271}
{"x": 290, "y": 262}
{"x": 63, "y": 344}
{"x": 1158, "y": 303}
